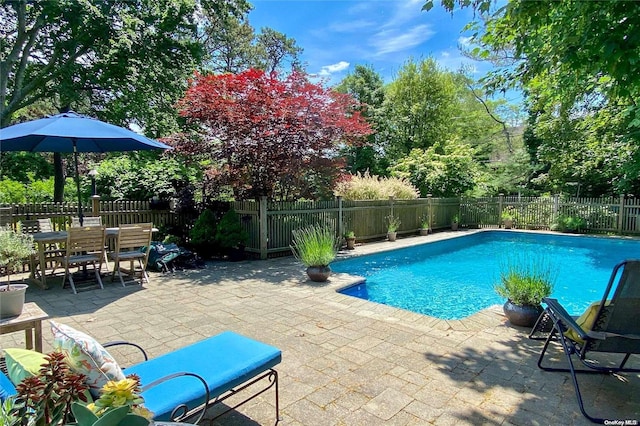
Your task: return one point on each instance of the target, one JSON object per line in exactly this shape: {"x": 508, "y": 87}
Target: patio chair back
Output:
{"x": 85, "y": 246}
{"x": 619, "y": 315}
{"x": 86, "y": 221}
{"x": 133, "y": 245}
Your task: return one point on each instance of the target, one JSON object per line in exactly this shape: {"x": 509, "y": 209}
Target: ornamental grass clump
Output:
{"x": 371, "y": 187}
{"x": 315, "y": 245}
{"x": 526, "y": 281}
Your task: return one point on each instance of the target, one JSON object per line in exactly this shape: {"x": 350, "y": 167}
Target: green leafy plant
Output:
{"x": 204, "y": 229}
{"x": 569, "y": 223}
{"x": 349, "y": 234}
{"x": 424, "y": 221}
{"x": 393, "y": 223}
{"x": 9, "y": 412}
{"x": 47, "y": 397}
{"x": 315, "y": 245}
{"x": 455, "y": 218}
{"x": 229, "y": 232}
{"x": 120, "y": 404}
{"x": 526, "y": 281}
{"x": 14, "y": 248}
{"x": 508, "y": 213}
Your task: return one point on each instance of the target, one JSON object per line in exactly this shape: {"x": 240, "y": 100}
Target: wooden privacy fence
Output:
{"x": 113, "y": 213}
{"x": 270, "y": 224}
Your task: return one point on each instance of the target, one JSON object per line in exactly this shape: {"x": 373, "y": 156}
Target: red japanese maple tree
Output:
{"x": 264, "y": 132}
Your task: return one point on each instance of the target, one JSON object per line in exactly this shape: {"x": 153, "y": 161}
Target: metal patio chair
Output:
{"x": 611, "y": 326}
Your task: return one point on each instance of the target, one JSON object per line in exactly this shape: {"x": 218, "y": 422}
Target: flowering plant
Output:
{"x": 119, "y": 404}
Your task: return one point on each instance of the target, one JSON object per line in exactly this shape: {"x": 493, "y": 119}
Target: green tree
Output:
{"x": 366, "y": 86}
{"x": 442, "y": 171}
{"x": 420, "y": 107}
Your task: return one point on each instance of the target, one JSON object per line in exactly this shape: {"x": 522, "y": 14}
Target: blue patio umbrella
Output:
{"x": 71, "y": 132}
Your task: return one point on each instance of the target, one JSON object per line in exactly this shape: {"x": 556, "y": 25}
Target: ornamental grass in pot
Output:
{"x": 525, "y": 282}
{"x": 316, "y": 247}
{"x": 15, "y": 247}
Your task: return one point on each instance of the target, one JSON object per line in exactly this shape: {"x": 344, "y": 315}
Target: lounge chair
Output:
{"x": 183, "y": 384}
{"x": 611, "y": 326}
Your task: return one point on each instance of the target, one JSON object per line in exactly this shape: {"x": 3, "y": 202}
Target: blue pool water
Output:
{"x": 454, "y": 278}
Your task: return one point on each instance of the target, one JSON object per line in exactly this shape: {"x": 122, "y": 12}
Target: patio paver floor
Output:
{"x": 345, "y": 361}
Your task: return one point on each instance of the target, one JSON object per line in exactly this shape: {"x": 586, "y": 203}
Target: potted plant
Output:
{"x": 231, "y": 236}
{"x": 393, "y": 223}
{"x": 15, "y": 247}
{"x": 455, "y": 222}
{"x": 350, "y": 238}
{"x": 524, "y": 283}
{"x": 507, "y": 217}
{"x": 316, "y": 247}
{"x": 424, "y": 225}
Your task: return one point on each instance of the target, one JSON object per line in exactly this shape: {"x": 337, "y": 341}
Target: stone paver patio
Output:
{"x": 345, "y": 361}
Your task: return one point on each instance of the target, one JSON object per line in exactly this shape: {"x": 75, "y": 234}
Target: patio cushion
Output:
{"x": 7, "y": 388}
{"x": 23, "y": 363}
{"x": 86, "y": 356}
{"x": 223, "y": 361}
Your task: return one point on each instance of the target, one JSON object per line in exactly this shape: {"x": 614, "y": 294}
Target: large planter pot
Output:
{"x": 391, "y": 236}
{"x": 351, "y": 243}
{"x": 12, "y": 301}
{"x": 319, "y": 274}
{"x": 523, "y": 316}
{"x": 237, "y": 254}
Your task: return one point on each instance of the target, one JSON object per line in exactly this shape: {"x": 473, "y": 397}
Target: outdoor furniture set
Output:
{"x": 178, "y": 386}
{"x": 84, "y": 246}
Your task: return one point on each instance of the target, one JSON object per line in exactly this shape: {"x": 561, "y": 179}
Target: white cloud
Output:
{"x": 464, "y": 41}
{"x": 327, "y": 70}
{"x": 392, "y": 40}
{"x": 351, "y": 26}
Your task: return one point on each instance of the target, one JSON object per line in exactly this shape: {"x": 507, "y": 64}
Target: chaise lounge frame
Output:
{"x": 615, "y": 330}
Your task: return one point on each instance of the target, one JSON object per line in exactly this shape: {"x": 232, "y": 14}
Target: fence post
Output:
{"x": 95, "y": 205}
{"x": 621, "y": 214}
{"x": 500, "y": 208}
{"x": 340, "y": 218}
{"x": 263, "y": 227}
{"x": 430, "y": 231}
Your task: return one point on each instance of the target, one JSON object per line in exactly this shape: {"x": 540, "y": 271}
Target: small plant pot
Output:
{"x": 351, "y": 243}
{"x": 454, "y": 226}
{"x": 522, "y": 315}
{"x": 318, "y": 274}
{"x": 12, "y": 301}
{"x": 391, "y": 236}
{"x": 424, "y": 231}
{"x": 507, "y": 223}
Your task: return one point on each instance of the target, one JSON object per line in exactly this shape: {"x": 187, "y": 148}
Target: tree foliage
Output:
{"x": 262, "y": 132}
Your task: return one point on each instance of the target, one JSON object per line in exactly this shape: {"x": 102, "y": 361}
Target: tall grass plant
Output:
{"x": 371, "y": 187}
{"x": 526, "y": 280}
{"x": 315, "y": 245}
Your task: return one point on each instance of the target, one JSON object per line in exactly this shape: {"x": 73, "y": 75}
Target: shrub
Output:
{"x": 204, "y": 229}
{"x": 229, "y": 232}
{"x": 569, "y": 223}
{"x": 371, "y": 187}
{"x": 315, "y": 245}
{"x": 526, "y": 281}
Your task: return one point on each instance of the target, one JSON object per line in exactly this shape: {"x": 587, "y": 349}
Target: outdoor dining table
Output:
{"x": 43, "y": 239}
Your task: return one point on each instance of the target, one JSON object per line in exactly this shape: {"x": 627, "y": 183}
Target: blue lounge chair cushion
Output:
{"x": 223, "y": 361}
{"x": 6, "y": 387}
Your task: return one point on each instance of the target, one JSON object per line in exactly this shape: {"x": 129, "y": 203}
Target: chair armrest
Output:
{"x": 557, "y": 312}
{"x": 122, "y": 342}
{"x": 182, "y": 411}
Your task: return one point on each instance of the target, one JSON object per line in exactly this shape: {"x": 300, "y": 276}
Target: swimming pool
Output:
{"x": 454, "y": 278}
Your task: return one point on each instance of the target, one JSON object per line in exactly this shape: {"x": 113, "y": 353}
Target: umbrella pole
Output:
{"x": 75, "y": 159}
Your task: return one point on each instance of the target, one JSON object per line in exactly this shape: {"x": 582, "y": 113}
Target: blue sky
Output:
{"x": 337, "y": 35}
